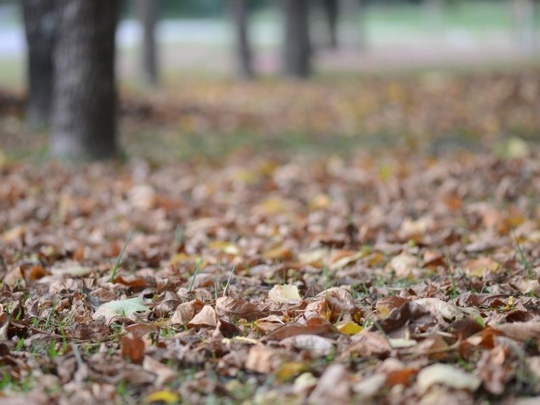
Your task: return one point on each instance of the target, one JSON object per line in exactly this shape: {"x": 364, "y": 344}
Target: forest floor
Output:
{"x": 351, "y": 239}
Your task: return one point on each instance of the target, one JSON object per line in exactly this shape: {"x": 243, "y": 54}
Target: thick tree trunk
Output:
{"x": 84, "y": 107}
{"x": 147, "y": 12}
{"x": 39, "y": 22}
{"x": 240, "y": 15}
{"x": 331, "y": 8}
{"x": 297, "y": 48}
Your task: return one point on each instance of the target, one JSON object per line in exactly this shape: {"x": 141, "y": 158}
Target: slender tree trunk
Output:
{"x": 147, "y": 11}
{"x": 240, "y": 15}
{"x": 39, "y": 22}
{"x": 331, "y": 8}
{"x": 297, "y": 48}
{"x": 84, "y": 106}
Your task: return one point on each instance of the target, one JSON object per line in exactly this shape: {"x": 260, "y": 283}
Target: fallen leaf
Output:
{"x": 318, "y": 345}
{"x": 367, "y": 344}
{"x": 285, "y": 294}
{"x": 133, "y": 348}
{"x": 446, "y": 310}
{"x": 166, "y": 397}
{"x": 120, "y": 308}
{"x": 205, "y": 318}
{"x": 289, "y": 370}
{"x": 237, "y": 308}
{"x": 349, "y": 328}
{"x": 404, "y": 265}
{"x": 477, "y": 267}
{"x": 313, "y": 326}
{"x": 385, "y": 305}
{"x": 164, "y": 373}
{"x": 269, "y": 323}
{"x": 333, "y": 387}
{"x": 447, "y": 375}
{"x": 262, "y": 359}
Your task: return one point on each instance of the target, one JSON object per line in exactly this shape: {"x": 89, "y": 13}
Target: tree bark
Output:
{"x": 331, "y": 8}
{"x": 297, "y": 50}
{"x": 244, "y": 60}
{"x": 39, "y": 22}
{"x": 147, "y": 12}
{"x": 84, "y": 105}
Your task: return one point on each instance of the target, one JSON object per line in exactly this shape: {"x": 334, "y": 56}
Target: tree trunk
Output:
{"x": 240, "y": 14}
{"x": 331, "y": 8}
{"x": 147, "y": 12}
{"x": 39, "y": 23}
{"x": 297, "y": 48}
{"x": 525, "y": 22}
{"x": 84, "y": 105}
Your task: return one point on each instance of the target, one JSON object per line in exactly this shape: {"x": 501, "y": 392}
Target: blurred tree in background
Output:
{"x": 84, "y": 94}
{"x": 147, "y": 14}
{"x": 240, "y": 16}
{"x": 70, "y": 55}
{"x": 40, "y": 27}
{"x": 297, "y": 43}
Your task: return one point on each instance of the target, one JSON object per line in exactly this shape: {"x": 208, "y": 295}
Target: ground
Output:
{"x": 362, "y": 237}
{"x": 362, "y": 246}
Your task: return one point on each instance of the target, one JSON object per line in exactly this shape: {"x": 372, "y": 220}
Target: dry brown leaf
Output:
{"x": 262, "y": 359}
{"x": 205, "y": 318}
{"x": 446, "y": 310}
{"x": 520, "y": 331}
{"x": 133, "y": 348}
{"x": 314, "y": 326}
{"x": 367, "y": 344}
{"x": 385, "y": 305}
{"x": 226, "y": 329}
{"x": 269, "y": 323}
{"x": 317, "y": 345}
{"x": 237, "y": 308}
{"x": 185, "y": 312}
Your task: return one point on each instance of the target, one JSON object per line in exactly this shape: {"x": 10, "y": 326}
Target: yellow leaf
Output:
{"x": 167, "y": 397}
{"x": 225, "y": 247}
{"x": 349, "y": 328}
{"x": 289, "y": 370}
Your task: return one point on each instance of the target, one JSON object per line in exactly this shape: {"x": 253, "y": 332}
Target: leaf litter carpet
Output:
{"x": 386, "y": 277}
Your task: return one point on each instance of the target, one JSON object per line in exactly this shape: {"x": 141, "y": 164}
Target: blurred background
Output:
{"x": 197, "y": 36}
{"x": 379, "y": 67}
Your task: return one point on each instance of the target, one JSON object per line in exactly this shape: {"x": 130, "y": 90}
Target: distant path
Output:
{"x": 204, "y": 46}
